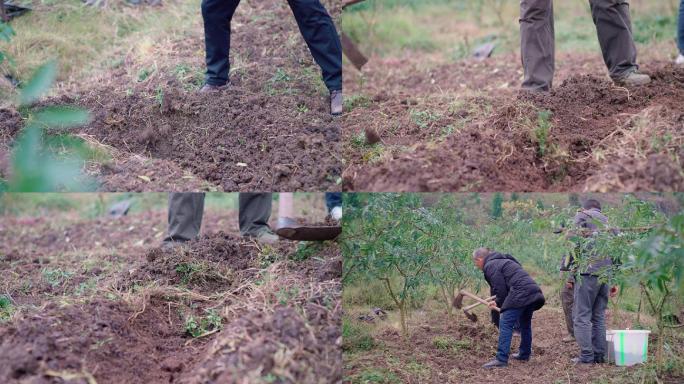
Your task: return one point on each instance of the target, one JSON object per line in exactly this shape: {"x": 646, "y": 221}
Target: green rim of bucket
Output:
{"x": 622, "y": 348}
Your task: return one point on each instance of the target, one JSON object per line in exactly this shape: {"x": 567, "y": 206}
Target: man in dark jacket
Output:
{"x": 314, "y": 23}
{"x": 517, "y": 297}
{"x": 590, "y": 290}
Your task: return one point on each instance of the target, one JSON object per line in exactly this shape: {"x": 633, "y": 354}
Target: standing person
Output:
{"x": 590, "y": 292}
{"x": 614, "y": 29}
{"x": 680, "y": 36}
{"x": 517, "y": 296}
{"x": 186, "y": 210}
{"x": 567, "y": 296}
{"x": 315, "y": 25}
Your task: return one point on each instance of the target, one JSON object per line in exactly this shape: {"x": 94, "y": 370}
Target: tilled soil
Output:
{"x": 281, "y": 317}
{"x": 601, "y": 135}
{"x": 269, "y": 131}
{"x": 473, "y": 344}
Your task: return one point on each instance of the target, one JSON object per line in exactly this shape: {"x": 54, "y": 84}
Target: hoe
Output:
{"x": 292, "y": 230}
{"x": 458, "y": 303}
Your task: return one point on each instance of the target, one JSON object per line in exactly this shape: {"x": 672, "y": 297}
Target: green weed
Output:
{"x": 144, "y": 74}
{"x": 197, "y": 327}
{"x": 541, "y": 131}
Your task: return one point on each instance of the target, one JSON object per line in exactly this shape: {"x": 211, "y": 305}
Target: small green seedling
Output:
{"x": 197, "y": 327}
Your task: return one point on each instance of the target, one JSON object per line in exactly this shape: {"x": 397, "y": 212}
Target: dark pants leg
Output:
{"x": 185, "y": 216}
{"x": 217, "y": 15}
{"x": 318, "y": 30}
{"x": 332, "y": 200}
{"x": 525, "y": 321}
{"x": 591, "y": 301}
{"x": 680, "y": 30}
{"x": 614, "y": 29}
{"x": 567, "y": 300}
{"x": 254, "y": 212}
{"x": 537, "y": 44}
{"x": 507, "y": 320}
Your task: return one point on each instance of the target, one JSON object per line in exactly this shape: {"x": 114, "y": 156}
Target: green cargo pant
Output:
{"x": 186, "y": 209}
{"x": 537, "y": 40}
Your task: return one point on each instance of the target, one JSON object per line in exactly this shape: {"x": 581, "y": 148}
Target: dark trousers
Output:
{"x": 613, "y": 27}
{"x": 507, "y": 321}
{"x": 315, "y": 25}
{"x": 332, "y": 200}
{"x": 589, "y": 314}
{"x": 680, "y": 29}
{"x": 567, "y": 301}
{"x": 186, "y": 209}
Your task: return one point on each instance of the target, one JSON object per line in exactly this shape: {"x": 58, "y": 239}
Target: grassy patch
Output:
{"x": 56, "y": 277}
{"x": 356, "y": 101}
{"x": 356, "y": 337}
{"x": 6, "y": 309}
{"x": 446, "y": 343}
{"x": 90, "y": 39}
{"x": 375, "y": 375}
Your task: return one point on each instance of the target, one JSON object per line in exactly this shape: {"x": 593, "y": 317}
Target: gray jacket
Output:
{"x": 591, "y": 219}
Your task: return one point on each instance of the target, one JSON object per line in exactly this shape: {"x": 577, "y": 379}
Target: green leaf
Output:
{"x": 39, "y": 83}
{"x": 61, "y": 117}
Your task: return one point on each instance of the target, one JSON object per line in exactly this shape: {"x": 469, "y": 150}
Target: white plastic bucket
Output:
{"x": 627, "y": 347}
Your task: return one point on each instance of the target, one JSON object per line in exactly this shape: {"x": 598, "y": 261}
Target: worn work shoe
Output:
{"x": 578, "y": 361}
{"x": 599, "y": 359}
{"x": 680, "y": 61}
{"x": 208, "y": 88}
{"x": 633, "y": 79}
{"x": 267, "y": 237}
{"x": 516, "y": 356}
{"x": 336, "y": 103}
{"x": 495, "y": 364}
{"x": 568, "y": 339}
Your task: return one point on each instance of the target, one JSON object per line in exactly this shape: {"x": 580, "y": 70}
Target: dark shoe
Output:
{"x": 632, "y": 79}
{"x": 578, "y": 361}
{"x": 336, "y": 103}
{"x": 599, "y": 359}
{"x": 516, "y": 356}
{"x": 208, "y": 88}
{"x": 495, "y": 364}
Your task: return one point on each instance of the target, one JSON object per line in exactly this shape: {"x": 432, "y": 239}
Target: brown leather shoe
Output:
{"x": 208, "y": 88}
{"x": 632, "y": 79}
{"x": 336, "y": 101}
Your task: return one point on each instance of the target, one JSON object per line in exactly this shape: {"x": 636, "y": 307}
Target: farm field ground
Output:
{"x": 95, "y": 299}
{"x": 445, "y": 349}
{"x": 441, "y": 121}
{"x": 406, "y": 255}
{"x": 137, "y": 70}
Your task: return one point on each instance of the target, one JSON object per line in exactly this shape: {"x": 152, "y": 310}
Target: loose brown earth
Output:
{"x": 271, "y": 130}
{"x": 117, "y": 310}
{"x": 418, "y": 359}
{"x": 465, "y": 126}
